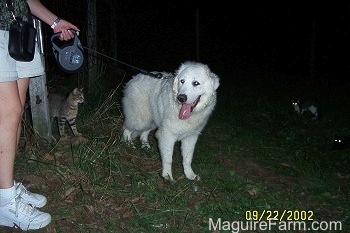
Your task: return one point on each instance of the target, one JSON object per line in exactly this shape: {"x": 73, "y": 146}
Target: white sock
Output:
{"x": 6, "y": 195}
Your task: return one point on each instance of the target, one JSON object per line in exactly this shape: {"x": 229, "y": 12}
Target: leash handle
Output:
{"x": 57, "y": 34}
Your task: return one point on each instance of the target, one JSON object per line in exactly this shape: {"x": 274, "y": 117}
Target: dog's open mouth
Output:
{"x": 186, "y": 109}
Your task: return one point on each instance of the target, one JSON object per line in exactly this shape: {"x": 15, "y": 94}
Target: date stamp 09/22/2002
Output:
{"x": 284, "y": 220}
{"x": 279, "y": 215}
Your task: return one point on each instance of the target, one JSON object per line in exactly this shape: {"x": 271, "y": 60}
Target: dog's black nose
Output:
{"x": 182, "y": 98}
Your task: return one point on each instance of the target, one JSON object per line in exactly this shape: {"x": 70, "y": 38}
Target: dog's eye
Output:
{"x": 182, "y": 81}
{"x": 195, "y": 83}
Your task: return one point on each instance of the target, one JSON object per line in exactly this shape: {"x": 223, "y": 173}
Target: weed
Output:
{"x": 255, "y": 154}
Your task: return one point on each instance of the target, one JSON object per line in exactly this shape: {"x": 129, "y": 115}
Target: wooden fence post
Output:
{"x": 38, "y": 96}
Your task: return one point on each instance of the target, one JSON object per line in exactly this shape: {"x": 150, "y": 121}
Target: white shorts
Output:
{"x": 12, "y": 70}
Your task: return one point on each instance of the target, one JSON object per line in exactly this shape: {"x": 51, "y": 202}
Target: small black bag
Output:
{"x": 22, "y": 40}
{"x": 22, "y": 36}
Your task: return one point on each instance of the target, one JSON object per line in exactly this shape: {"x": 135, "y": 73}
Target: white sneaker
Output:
{"x": 34, "y": 199}
{"x": 20, "y": 214}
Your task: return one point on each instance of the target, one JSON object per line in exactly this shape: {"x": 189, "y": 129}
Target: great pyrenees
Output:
{"x": 178, "y": 107}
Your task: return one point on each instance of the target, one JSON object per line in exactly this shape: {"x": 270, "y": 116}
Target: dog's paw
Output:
{"x": 194, "y": 177}
{"x": 168, "y": 177}
{"x": 145, "y": 145}
{"x": 130, "y": 144}
{"x": 190, "y": 174}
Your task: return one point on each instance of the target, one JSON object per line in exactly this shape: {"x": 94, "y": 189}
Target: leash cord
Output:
{"x": 153, "y": 75}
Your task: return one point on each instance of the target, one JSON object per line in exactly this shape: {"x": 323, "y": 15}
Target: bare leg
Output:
{"x": 23, "y": 84}
{"x": 10, "y": 118}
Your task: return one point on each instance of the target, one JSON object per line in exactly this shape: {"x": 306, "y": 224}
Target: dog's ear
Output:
{"x": 181, "y": 68}
{"x": 177, "y": 72}
{"x": 175, "y": 84}
{"x": 215, "y": 80}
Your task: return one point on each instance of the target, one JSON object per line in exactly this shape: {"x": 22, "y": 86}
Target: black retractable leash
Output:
{"x": 70, "y": 57}
{"x": 156, "y": 75}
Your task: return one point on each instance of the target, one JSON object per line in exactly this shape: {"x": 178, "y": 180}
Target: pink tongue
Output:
{"x": 185, "y": 111}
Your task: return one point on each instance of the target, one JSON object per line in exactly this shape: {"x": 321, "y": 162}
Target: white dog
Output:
{"x": 177, "y": 107}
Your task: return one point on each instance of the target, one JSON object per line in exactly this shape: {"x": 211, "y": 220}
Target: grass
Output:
{"x": 256, "y": 153}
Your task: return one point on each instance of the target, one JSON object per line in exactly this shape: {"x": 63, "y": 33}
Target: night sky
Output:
{"x": 278, "y": 36}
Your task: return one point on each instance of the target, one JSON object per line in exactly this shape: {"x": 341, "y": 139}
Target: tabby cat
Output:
{"x": 66, "y": 109}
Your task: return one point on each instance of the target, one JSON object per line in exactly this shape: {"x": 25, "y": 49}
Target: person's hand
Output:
{"x": 64, "y": 27}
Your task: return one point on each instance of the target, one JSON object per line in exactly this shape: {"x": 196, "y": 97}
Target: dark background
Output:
{"x": 309, "y": 39}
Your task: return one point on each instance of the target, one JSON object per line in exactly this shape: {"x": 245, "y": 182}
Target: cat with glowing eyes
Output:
{"x": 341, "y": 142}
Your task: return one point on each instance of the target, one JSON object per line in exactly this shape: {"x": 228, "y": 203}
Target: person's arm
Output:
{"x": 44, "y": 14}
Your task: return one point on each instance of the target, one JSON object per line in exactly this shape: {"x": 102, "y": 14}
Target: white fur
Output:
{"x": 150, "y": 103}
